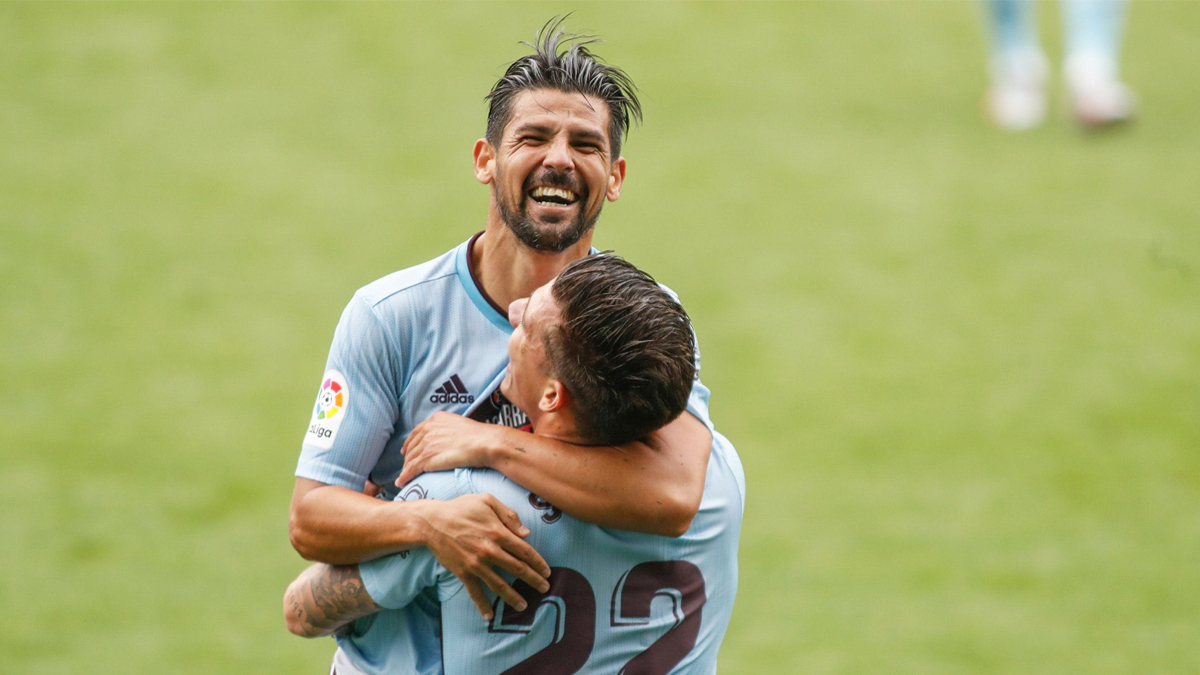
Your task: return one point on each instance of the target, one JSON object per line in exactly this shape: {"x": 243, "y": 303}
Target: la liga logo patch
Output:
{"x": 331, "y": 399}
{"x": 329, "y": 411}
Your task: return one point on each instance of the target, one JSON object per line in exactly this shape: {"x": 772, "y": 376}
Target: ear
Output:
{"x": 616, "y": 178}
{"x": 555, "y": 397}
{"x": 485, "y": 161}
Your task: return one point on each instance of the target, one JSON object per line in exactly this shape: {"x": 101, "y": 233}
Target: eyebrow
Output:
{"x": 546, "y": 129}
{"x": 533, "y": 127}
{"x": 589, "y": 136}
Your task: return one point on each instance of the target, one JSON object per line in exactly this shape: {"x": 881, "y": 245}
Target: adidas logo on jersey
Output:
{"x": 452, "y": 391}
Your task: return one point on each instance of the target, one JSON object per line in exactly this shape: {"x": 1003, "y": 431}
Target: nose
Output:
{"x": 558, "y": 155}
{"x": 515, "y": 310}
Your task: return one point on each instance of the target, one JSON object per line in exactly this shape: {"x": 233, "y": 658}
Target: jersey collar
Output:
{"x": 466, "y": 276}
{"x": 470, "y": 283}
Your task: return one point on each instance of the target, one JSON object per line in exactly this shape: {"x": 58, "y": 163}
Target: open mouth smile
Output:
{"x": 553, "y": 196}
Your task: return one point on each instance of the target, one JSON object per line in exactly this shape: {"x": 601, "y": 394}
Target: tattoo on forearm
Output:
{"x": 293, "y": 599}
{"x": 328, "y": 596}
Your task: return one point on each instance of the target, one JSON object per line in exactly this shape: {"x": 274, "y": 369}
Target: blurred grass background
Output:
{"x": 962, "y": 367}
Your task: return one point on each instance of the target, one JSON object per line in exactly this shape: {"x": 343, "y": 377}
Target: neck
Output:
{"x": 509, "y": 270}
{"x": 556, "y": 425}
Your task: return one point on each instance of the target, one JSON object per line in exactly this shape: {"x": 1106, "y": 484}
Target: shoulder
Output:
{"x": 670, "y": 291}
{"x": 409, "y": 302}
{"x": 675, "y": 296}
{"x": 726, "y": 474}
{"x": 439, "y": 485}
{"x": 447, "y": 485}
{"x": 477, "y": 480}
{"x": 406, "y": 285}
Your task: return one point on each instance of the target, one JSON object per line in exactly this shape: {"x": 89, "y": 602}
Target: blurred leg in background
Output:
{"x": 1016, "y": 99}
{"x": 1093, "y": 42}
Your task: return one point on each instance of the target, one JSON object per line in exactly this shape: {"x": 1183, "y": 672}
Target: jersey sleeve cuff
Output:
{"x": 375, "y": 576}
{"x": 331, "y": 474}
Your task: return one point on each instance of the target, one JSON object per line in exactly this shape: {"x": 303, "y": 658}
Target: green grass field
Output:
{"x": 962, "y": 367}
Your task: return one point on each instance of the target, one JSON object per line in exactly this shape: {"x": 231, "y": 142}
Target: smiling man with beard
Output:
{"x": 431, "y": 340}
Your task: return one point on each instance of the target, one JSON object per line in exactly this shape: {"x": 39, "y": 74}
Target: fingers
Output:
{"x": 497, "y": 585}
{"x": 519, "y": 569}
{"x": 501, "y": 588}
{"x": 478, "y": 597}
{"x": 410, "y": 471}
{"x": 530, "y": 565}
{"x": 471, "y": 543}
{"x": 412, "y": 462}
{"x": 414, "y": 437}
{"x": 507, "y": 516}
{"x": 529, "y": 558}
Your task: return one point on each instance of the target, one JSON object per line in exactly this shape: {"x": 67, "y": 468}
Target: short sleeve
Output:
{"x": 356, "y": 409}
{"x": 394, "y": 581}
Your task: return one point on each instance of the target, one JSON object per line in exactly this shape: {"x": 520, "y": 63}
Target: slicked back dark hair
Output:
{"x": 574, "y": 70}
{"x": 622, "y": 346}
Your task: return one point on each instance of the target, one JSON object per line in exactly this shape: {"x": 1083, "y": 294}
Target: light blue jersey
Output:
{"x": 618, "y": 601}
{"x": 415, "y": 342}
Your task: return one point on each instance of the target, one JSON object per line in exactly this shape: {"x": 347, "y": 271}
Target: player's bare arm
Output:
{"x": 653, "y": 486}
{"x": 469, "y": 535}
{"x": 335, "y": 525}
{"x": 324, "y": 598}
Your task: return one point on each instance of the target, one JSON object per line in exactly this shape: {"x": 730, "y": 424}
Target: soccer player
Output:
{"x": 432, "y": 337}
{"x": 600, "y": 356}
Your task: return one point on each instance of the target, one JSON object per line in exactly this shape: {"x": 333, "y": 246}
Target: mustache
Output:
{"x": 558, "y": 179}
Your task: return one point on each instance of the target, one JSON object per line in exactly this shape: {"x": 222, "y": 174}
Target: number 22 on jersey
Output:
{"x": 572, "y": 597}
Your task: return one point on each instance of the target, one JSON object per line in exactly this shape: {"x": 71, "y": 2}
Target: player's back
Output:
{"x": 619, "y": 601}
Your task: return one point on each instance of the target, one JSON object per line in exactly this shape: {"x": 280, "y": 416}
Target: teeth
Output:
{"x": 540, "y": 192}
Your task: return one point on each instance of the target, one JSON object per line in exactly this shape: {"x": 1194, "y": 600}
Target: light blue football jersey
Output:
{"x": 415, "y": 342}
{"x": 410, "y": 344}
{"x": 619, "y": 601}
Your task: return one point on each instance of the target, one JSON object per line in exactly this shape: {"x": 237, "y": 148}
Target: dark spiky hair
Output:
{"x": 623, "y": 347}
{"x": 575, "y": 70}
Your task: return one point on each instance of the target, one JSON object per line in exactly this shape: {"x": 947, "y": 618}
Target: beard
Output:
{"x": 549, "y": 237}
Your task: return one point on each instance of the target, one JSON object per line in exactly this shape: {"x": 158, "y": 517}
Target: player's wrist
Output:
{"x": 499, "y": 446}
{"x": 414, "y": 528}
